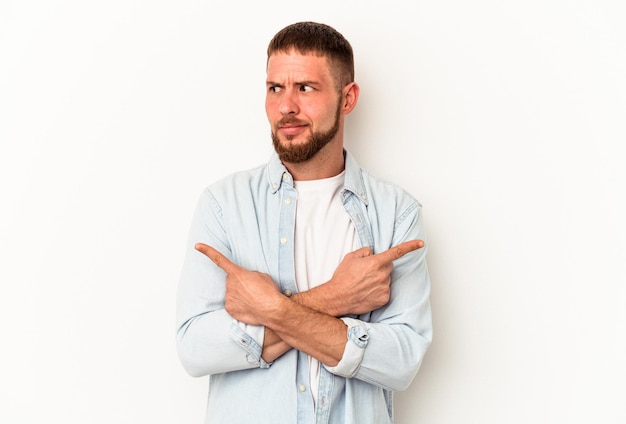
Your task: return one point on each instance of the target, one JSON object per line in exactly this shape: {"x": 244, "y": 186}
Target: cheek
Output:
{"x": 326, "y": 117}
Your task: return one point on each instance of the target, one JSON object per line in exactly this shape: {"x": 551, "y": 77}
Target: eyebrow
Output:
{"x": 277, "y": 84}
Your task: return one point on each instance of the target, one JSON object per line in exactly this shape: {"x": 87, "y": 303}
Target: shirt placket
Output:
{"x": 287, "y": 281}
{"x": 286, "y": 230}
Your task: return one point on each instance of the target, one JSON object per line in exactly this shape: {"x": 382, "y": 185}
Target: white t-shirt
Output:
{"x": 324, "y": 235}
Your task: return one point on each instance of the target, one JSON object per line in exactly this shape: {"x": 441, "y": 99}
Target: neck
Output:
{"x": 327, "y": 163}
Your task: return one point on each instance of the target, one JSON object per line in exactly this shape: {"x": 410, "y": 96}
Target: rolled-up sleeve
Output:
{"x": 354, "y": 350}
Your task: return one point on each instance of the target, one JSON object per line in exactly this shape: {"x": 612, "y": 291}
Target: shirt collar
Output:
{"x": 277, "y": 174}
{"x": 354, "y": 179}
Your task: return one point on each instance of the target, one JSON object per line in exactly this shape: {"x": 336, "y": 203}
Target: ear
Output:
{"x": 350, "y": 95}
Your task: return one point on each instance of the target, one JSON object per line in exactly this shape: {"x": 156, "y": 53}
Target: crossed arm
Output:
{"x": 308, "y": 321}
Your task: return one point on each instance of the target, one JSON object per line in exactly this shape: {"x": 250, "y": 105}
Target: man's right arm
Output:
{"x": 208, "y": 339}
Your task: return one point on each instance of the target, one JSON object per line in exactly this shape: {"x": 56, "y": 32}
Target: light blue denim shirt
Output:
{"x": 250, "y": 218}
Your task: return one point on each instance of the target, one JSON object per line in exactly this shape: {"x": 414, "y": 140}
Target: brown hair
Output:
{"x": 319, "y": 39}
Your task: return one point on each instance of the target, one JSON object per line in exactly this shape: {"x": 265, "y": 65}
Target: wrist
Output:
{"x": 276, "y": 310}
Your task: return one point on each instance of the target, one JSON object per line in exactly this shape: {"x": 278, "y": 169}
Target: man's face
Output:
{"x": 302, "y": 103}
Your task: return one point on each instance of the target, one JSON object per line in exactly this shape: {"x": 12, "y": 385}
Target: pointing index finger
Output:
{"x": 217, "y": 258}
{"x": 401, "y": 249}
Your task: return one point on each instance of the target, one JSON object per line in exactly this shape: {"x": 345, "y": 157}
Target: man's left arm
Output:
{"x": 387, "y": 349}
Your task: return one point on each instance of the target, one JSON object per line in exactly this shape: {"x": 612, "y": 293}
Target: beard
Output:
{"x": 297, "y": 153}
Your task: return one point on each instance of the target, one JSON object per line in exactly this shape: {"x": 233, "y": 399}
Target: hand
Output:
{"x": 248, "y": 293}
{"x": 362, "y": 280}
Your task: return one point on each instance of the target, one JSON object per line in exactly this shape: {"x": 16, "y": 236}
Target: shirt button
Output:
{"x": 302, "y": 388}
{"x": 288, "y": 201}
{"x": 275, "y": 186}
{"x": 283, "y": 240}
{"x": 288, "y": 293}
{"x": 285, "y": 176}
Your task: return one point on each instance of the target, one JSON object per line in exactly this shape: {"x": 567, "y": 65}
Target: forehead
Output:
{"x": 294, "y": 65}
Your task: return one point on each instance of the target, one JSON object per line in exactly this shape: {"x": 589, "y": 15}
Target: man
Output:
{"x": 304, "y": 293}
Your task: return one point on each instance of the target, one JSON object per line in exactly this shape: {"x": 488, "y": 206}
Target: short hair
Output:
{"x": 321, "y": 40}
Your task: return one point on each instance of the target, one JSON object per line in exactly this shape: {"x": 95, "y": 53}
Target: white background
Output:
{"x": 505, "y": 119}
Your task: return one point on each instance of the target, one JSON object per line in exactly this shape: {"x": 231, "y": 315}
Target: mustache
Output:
{"x": 290, "y": 120}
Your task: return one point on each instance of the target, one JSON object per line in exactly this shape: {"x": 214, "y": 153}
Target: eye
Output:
{"x": 306, "y": 88}
{"x": 273, "y": 89}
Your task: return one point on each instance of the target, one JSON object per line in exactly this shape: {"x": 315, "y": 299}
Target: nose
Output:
{"x": 288, "y": 103}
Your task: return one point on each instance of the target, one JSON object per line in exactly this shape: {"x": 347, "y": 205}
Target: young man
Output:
{"x": 304, "y": 293}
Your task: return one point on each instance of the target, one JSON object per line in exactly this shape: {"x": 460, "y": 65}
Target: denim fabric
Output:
{"x": 248, "y": 218}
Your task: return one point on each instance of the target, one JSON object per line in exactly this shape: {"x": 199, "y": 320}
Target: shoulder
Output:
{"x": 238, "y": 182}
{"x": 232, "y": 191}
{"x": 390, "y": 204}
{"x": 383, "y": 190}
{"x": 382, "y": 198}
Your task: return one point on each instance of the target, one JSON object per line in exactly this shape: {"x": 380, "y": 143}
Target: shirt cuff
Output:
{"x": 354, "y": 351}
{"x": 250, "y": 338}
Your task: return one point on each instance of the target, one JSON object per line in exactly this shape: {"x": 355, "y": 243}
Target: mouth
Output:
{"x": 291, "y": 128}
